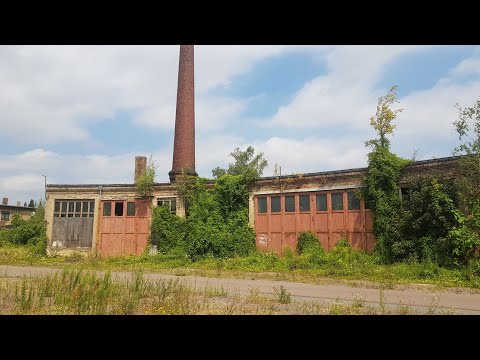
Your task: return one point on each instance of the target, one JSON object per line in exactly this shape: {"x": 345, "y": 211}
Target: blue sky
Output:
{"x": 80, "y": 114}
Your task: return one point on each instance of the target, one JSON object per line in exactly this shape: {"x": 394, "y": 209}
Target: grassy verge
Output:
{"x": 313, "y": 267}
{"x": 85, "y": 292}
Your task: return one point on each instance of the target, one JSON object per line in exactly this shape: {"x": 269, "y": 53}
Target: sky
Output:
{"x": 80, "y": 114}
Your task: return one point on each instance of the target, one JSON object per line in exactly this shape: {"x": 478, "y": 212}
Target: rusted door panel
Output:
{"x": 262, "y": 223}
{"x": 368, "y": 221}
{"x": 276, "y": 223}
{"x": 330, "y": 226}
{"x": 354, "y": 222}
{"x": 323, "y": 240}
{"x": 275, "y": 243}
{"x": 333, "y": 239}
{"x": 262, "y": 241}
{"x": 304, "y": 222}
{"x": 289, "y": 241}
{"x": 130, "y": 225}
{"x": 128, "y": 246}
{"x": 124, "y": 235}
{"x": 370, "y": 242}
{"x": 289, "y": 223}
{"x": 321, "y": 222}
{"x": 141, "y": 243}
{"x": 338, "y": 222}
{"x": 105, "y": 225}
{"x": 356, "y": 240}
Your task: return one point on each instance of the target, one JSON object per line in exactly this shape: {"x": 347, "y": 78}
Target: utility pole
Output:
{"x": 45, "y": 187}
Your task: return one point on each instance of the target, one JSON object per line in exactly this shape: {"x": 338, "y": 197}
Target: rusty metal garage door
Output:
{"x": 280, "y": 218}
{"x": 123, "y": 227}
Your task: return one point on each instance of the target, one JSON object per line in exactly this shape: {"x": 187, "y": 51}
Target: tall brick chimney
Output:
{"x": 184, "y": 143}
{"x": 140, "y": 166}
{"x": 5, "y": 201}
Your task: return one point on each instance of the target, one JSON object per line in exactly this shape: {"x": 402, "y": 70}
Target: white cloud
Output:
{"x": 312, "y": 154}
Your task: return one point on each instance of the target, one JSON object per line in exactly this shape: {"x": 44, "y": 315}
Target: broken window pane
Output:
{"x": 85, "y": 206}
{"x": 304, "y": 202}
{"x": 275, "y": 204}
{"x": 322, "y": 202}
{"x": 119, "y": 208}
{"x": 57, "y": 206}
{"x": 78, "y": 207}
{"x": 290, "y": 203}
{"x": 353, "y": 201}
{"x": 262, "y": 205}
{"x": 64, "y": 206}
{"x": 92, "y": 206}
{"x": 107, "y": 209}
{"x": 131, "y": 209}
{"x": 337, "y": 201}
{"x": 71, "y": 206}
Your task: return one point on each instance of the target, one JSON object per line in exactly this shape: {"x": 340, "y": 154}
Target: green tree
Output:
{"x": 384, "y": 169}
{"x": 245, "y": 163}
{"x": 145, "y": 183}
{"x": 468, "y": 129}
{"x": 31, "y": 203}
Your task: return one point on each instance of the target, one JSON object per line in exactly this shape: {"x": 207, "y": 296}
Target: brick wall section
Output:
{"x": 140, "y": 166}
{"x": 184, "y": 142}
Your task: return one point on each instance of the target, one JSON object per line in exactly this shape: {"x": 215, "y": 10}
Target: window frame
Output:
{"x": 7, "y": 213}
{"x": 170, "y": 201}
{"x": 317, "y": 202}
{"x": 294, "y": 204}
{"x": 354, "y": 198}
{"x": 258, "y": 204}
{"x": 279, "y": 204}
{"x": 332, "y": 203}
{"x": 68, "y": 208}
{"x": 309, "y": 203}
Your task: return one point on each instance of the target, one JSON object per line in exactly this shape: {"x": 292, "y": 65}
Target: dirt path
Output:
{"x": 462, "y": 302}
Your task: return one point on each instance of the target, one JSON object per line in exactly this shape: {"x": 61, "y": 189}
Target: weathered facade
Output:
{"x": 7, "y": 211}
{"x": 325, "y": 203}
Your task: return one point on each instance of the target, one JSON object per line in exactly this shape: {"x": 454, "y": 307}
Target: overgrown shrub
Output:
{"x": 307, "y": 242}
{"x": 168, "y": 230}
{"x": 31, "y": 232}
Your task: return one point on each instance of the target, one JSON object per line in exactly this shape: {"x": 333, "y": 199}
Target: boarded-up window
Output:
{"x": 262, "y": 205}
{"x": 275, "y": 204}
{"x": 290, "y": 203}
{"x": 322, "y": 202}
{"x": 107, "y": 209}
{"x": 304, "y": 201}
{"x": 119, "y": 208}
{"x": 131, "y": 209}
{"x": 337, "y": 201}
{"x": 353, "y": 201}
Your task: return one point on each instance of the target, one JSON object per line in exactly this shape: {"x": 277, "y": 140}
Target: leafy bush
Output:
{"x": 31, "y": 232}
{"x": 168, "y": 230}
{"x": 307, "y": 242}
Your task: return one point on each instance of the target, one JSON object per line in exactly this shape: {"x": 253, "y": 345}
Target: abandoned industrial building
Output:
{"x": 111, "y": 220}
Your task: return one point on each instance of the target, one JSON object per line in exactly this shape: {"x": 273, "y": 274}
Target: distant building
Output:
{"x": 7, "y": 212}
